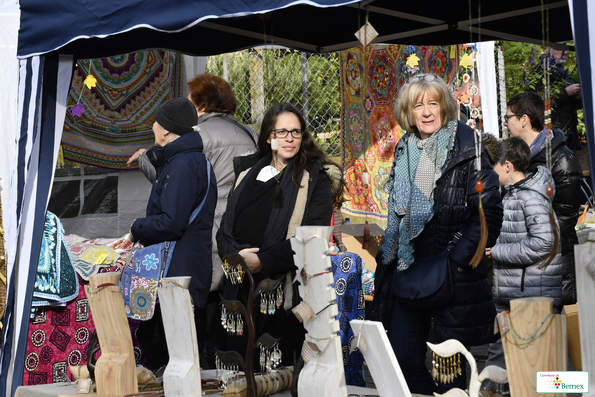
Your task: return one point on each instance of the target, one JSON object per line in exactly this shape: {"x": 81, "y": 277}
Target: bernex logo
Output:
{"x": 562, "y": 382}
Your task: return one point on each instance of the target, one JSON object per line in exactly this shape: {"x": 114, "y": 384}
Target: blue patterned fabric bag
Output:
{"x": 145, "y": 268}
{"x": 140, "y": 279}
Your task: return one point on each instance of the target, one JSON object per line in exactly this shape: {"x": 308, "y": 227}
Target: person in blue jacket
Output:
{"x": 180, "y": 187}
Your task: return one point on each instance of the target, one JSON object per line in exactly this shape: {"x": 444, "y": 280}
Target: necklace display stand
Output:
{"x": 115, "y": 370}
{"x": 534, "y": 339}
{"x": 323, "y": 372}
{"x": 182, "y": 374}
{"x": 584, "y": 255}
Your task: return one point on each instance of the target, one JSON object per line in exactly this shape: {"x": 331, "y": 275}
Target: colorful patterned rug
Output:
{"x": 118, "y": 112}
{"x": 371, "y": 78}
{"x": 59, "y": 336}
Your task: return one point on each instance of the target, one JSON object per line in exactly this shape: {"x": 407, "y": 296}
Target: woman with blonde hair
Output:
{"x": 434, "y": 209}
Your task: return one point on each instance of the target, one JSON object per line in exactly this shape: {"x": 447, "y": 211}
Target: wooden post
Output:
{"x": 547, "y": 350}
{"x": 182, "y": 374}
{"x": 323, "y": 374}
{"x": 115, "y": 371}
{"x": 584, "y": 256}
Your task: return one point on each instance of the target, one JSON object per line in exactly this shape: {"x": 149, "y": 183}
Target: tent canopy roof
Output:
{"x": 208, "y": 27}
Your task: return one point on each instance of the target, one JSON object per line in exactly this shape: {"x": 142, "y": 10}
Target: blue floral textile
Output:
{"x": 347, "y": 271}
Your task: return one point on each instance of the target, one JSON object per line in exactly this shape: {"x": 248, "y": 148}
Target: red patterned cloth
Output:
{"x": 59, "y": 337}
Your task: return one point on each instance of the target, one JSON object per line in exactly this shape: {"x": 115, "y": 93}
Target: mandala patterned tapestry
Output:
{"x": 118, "y": 111}
{"x": 371, "y": 78}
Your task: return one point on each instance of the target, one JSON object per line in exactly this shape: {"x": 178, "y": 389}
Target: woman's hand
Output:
{"x": 488, "y": 253}
{"x": 135, "y": 156}
{"x": 251, "y": 259}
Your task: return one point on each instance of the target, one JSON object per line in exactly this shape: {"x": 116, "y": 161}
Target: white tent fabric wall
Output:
{"x": 9, "y": 65}
{"x": 486, "y": 67}
{"x": 38, "y": 141}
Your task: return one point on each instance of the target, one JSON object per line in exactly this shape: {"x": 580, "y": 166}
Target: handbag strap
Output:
{"x": 197, "y": 210}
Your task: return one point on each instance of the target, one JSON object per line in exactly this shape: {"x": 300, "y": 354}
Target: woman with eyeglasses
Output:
{"x": 434, "y": 204}
{"x": 289, "y": 182}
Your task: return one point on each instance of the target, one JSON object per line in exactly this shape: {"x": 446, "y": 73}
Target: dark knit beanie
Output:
{"x": 177, "y": 115}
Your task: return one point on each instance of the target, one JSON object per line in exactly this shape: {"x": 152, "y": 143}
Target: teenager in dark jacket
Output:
{"x": 525, "y": 119}
{"x": 432, "y": 199}
{"x": 276, "y": 191}
{"x": 180, "y": 187}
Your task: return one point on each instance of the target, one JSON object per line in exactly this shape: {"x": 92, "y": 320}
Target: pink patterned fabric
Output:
{"x": 59, "y": 336}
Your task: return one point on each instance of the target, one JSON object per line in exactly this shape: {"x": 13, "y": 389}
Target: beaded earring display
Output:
{"x": 270, "y": 301}
{"x": 446, "y": 369}
{"x": 232, "y": 322}
{"x": 235, "y": 274}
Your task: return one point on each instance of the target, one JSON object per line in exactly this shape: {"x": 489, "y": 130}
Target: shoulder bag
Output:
{"x": 146, "y": 267}
{"x": 427, "y": 283}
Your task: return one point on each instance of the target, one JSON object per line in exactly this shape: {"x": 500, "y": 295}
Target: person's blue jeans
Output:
{"x": 409, "y": 332}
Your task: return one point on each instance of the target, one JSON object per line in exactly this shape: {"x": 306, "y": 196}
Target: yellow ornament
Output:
{"x": 466, "y": 61}
{"x": 413, "y": 61}
{"x": 90, "y": 81}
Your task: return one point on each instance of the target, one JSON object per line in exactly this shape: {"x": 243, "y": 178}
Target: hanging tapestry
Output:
{"x": 118, "y": 111}
{"x": 59, "y": 337}
{"x": 347, "y": 272}
{"x": 55, "y": 280}
{"x": 371, "y": 78}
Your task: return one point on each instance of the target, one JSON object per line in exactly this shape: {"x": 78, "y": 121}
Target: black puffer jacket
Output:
{"x": 567, "y": 175}
{"x": 470, "y": 317}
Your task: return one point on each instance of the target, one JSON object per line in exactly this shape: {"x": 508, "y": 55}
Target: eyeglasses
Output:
{"x": 426, "y": 77}
{"x": 508, "y": 116}
{"x": 282, "y": 133}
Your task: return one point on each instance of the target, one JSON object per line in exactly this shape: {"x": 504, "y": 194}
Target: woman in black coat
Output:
{"x": 433, "y": 201}
{"x": 288, "y": 183}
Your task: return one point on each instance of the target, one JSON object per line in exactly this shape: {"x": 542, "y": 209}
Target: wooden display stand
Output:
{"x": 584, "y": 256}
{"x": 547, "y": 350}
{"x": 323, "y": 373}
{"x": 380, "y": 357}
{"x": 115, "y": 370}
{"x": 182, "y": 374}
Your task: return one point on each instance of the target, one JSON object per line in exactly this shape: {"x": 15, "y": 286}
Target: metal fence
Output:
{"x": 263, "y": 77}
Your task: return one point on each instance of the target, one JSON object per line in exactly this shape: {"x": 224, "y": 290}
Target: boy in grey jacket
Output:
{"x": 526, "y": 238}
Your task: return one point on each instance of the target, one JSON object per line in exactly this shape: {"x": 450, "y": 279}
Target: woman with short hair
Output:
{"x": 433, "y": 202}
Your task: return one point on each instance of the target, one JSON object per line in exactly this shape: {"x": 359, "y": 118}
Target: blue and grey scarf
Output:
{"x": 415, "y": 172}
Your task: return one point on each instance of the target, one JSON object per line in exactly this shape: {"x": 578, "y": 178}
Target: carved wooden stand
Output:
{"x": 115, "y": 371}
{"x": 323, "y": 374}
{"x": 182, "y": 374}
{"x": 546, "y": 350}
